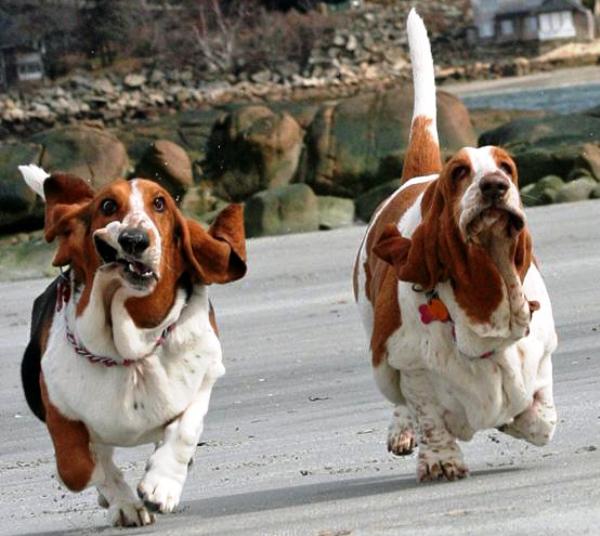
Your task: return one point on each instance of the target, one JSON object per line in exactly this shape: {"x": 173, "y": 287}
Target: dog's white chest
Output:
{"x": 129, "y": 405}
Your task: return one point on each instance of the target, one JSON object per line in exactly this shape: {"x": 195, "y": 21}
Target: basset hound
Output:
{"x": 458, "y": 317}
{"x": 124, "y": 347}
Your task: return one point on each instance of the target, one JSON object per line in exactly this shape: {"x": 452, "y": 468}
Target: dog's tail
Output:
{"x": 423, "y": 153}
{"x": 35, "y": 177}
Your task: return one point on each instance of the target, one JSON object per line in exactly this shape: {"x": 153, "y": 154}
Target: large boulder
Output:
{"x": 335, "y": 212}
{"x": 367, "y": 203}
{"x": 252, "y": 149}
{"x": 168, "y": 164}
{"x": 283, "y": 210}
{"x": 359, "y": 142}
{"x": 19, "y": 207}
{"x": 92, "y": 153}
{"x": 577, "y": 190}
{"x": 552, "y": 145}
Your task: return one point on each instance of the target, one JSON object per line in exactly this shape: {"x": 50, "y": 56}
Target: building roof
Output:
{"x": 532, "y": 7}
{"x": 560, "y": 5}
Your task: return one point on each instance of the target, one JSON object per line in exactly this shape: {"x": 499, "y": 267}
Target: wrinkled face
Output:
{"x": 485, "y": 194}
{"x": 132, "y": 224}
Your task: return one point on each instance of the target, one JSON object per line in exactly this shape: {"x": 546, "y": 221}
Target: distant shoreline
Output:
{"x": 567, "y": 77}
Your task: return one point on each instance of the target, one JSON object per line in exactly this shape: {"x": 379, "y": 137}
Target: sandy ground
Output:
{"x": 295, "y": 439}
{"x": 552, "y": 79}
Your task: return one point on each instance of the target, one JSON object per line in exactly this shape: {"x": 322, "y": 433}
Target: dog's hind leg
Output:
{"x": 401, "y": 431}
{"x": 402, "y": 439}
{"x": 124, "y": 508}
{"x": 167, "y": 468}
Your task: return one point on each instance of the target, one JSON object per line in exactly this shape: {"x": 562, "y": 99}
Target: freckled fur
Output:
{"x": 442, "y": 389}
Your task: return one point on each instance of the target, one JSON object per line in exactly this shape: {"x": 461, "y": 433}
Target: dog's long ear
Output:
{"x": 67, "y": 198}
{"x": 219, "y": 255}
{"x": 523, "y": 256}
{"x": 411, "y": 258}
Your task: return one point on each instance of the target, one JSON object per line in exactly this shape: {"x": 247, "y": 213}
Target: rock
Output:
{"x": 134, "y": 81}
{"x": 554, "y": 144}
{"x": 261, "y": 77}
{"x": 595, "y": 192}
{"x": 589, "y": 159}
{"x": 367, "y": 203}
{"x": 93, "y": 154}
{"x": 252, "y": 149}
{"x": 542, "y": 192}
{"x": 359, "y": 142}
{"x": 283, "y": 210}
{"x": 168, "y": 164}
{"x": 19, "y": 207}
{"x": 577, "y": 190}
{"x": 335, "y": 212}
{"x": 199, "y": 200}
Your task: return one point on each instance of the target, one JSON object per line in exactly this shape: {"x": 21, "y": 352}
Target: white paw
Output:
{"x": 531, "y": 427}
{"x": 129, "y": 514}
{"x": 401, "y": 439}
{"x": 159, "y": 492}
{"x": 440, "y": 464}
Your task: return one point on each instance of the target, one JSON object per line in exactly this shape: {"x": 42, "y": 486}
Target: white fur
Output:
{"x": 35, "y": 177}
{"x": 162, "y": 397}
{"x": 450, "y": 391}
{"x": 423, "y": 71}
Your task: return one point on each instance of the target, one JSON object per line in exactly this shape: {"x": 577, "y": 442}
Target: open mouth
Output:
{"x": 135, "y": 271}
{"x": 497, "y": 217}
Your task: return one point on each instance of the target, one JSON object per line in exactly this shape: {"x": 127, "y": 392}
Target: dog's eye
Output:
{"x": 460, "y": 172}
{"x": 159, "y": 204}
{"x": 505, "y": 166}
{"x": 108, "y": 207}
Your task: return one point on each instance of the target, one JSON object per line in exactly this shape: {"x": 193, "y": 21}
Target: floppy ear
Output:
{"x": 409, "y": 257}
{"x": 523, "y": 256}
{"x": 67, "y": 196}
{"x": 219, "y": 255}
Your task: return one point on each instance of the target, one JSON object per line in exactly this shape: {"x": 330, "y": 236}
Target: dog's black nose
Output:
{"x": 134, "y": 241}
{"x": 493, "y": 187}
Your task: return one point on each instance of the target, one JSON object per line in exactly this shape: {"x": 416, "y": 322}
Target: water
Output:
{"x": 567, "y": 99}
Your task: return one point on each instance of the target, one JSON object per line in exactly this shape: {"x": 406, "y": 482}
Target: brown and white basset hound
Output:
{"x": 458, "y": 317}
{"x": 124, "y": 347}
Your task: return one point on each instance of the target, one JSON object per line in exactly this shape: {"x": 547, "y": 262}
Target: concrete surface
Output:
{"x": 295, "y": 439}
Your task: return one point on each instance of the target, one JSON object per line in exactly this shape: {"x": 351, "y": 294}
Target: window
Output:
{"x": 507, "y": 27}
{"x": 531, "y": 24}
{"x": 486, "y": 29}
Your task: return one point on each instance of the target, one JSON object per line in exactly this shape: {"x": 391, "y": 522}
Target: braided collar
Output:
{"x": 62, "y": 298}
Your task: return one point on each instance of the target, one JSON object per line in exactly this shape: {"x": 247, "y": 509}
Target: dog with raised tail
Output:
{"x": 456, "y": 312}
{"x": 124, "y": 346}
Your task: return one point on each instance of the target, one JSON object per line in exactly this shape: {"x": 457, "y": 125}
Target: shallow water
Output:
{"x": 566, "y": 99}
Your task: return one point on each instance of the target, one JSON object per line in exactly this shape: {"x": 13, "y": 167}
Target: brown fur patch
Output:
{"x": 74, "y": 460}
{"x": 381, "y": 285}
{"x": 423, "y": 153}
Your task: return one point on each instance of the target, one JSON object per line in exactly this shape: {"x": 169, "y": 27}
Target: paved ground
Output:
{"x": 295, "y": 441}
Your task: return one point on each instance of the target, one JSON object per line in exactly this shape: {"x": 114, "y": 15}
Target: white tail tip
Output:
{"x": 34, "y": 176}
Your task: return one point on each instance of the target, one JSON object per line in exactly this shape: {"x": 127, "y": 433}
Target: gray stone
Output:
{"x": 335, "y": 212}
{"x": 577, "y": 190}
{"x": 134, "y": 81}
{"x": 284, "y": 210}
{"x": 367, "y": 203}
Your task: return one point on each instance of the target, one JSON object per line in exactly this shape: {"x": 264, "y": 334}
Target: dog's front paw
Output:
{"x": 159, "y": 492}
{"x": 440, "y": 464}
{"x": 129, "y": 514}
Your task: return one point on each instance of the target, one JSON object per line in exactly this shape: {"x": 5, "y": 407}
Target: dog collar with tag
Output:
{"x": 435, "y": 310}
